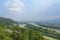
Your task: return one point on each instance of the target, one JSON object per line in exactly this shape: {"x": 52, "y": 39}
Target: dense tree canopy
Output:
{"x": 19, "y": 34}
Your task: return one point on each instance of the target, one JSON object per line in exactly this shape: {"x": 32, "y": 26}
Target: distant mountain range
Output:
{"x": 57, "y": 20}
{"x": 10, "y": 21}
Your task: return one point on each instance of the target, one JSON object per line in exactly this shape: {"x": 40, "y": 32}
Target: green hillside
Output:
{"x": 6, "y": 21}
{"x": 10, "y": 32}
{"x": 18, "y": 33}
{"x": 45, "y": 32}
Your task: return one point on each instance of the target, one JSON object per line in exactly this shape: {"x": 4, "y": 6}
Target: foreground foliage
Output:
{"x": 17, "y": 33}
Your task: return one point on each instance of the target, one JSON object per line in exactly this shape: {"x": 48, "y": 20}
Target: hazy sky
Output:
{"x": 30, "y": 10}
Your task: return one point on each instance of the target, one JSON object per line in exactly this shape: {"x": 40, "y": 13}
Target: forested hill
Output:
{"x": 10, "y": 32}
{"x": 6, "y": 21}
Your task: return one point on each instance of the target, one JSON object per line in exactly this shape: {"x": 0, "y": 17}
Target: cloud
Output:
{"x": 33, "y": 9}
{"x": 14, "y": 5}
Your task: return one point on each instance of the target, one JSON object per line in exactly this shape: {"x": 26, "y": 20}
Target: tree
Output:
{"x": 25, "y": 34}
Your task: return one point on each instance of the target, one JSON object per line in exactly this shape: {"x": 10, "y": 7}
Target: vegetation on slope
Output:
{"x": 18, "y": 33}
{"x": 45, "y": 32}
{"x": 6, "y": 21}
